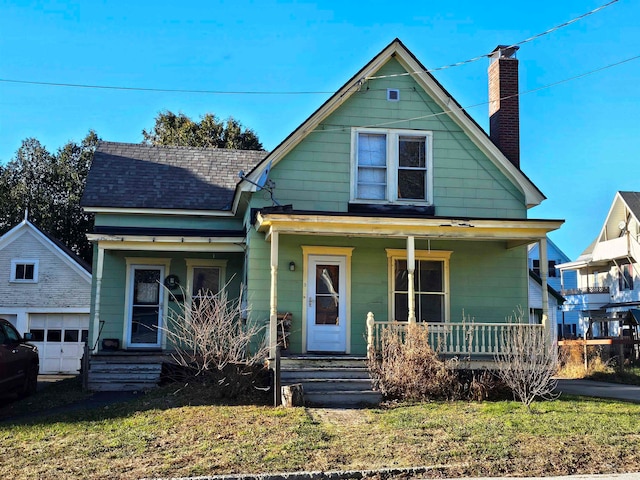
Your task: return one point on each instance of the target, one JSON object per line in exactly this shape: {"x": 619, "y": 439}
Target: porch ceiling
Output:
{"x": 514, "y": 232}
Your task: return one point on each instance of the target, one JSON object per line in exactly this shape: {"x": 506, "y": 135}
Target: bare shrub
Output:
{"x": 574, "y": 365}
{"x": 213, "y": 345}
{"x": 408, "y": 368}
{"x": 528, "y": 362}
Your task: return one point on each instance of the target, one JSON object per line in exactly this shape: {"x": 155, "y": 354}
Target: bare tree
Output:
{"x": 527, "y": 362}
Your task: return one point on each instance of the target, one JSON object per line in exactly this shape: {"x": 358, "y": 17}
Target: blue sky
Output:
{"x": 579, "y": 139}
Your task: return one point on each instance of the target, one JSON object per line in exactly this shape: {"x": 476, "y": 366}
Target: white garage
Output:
{"x": 45, "y": 289}
{"x": 60, "y": 339}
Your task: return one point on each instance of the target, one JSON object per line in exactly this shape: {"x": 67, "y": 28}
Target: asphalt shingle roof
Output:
{"x": 632, "y": 199}
{"x": 131, "y": 175}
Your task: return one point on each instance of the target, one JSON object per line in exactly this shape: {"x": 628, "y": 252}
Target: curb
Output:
{"x": 380, "y": 474}
{"x": 388, "y": 473}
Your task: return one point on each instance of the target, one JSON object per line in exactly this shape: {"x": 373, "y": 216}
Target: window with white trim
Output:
{"x": 391, "y": 166}
{"x": 24, "y": 270}
{"x": 431, "y": 285}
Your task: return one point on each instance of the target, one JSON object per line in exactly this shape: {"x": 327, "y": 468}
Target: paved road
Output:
{"x": 630, "y": 393}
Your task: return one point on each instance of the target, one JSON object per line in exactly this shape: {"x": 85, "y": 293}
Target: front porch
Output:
{"x": 410, "y": 270}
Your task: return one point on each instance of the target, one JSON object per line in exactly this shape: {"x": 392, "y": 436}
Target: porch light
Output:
{"x": 292, "y": 266}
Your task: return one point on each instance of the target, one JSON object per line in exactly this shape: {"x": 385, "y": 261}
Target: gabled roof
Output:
{"x": 625, "y": 207}
{"x": 396, "y": 49}
{"x": 624, "y": 204}
{"x": 53, "y": 244}
{"x": 534, "y": 247}
{"x": 137, "y": 176}
{"x": 632, "y": 199}
{"x": 552, "y": 291}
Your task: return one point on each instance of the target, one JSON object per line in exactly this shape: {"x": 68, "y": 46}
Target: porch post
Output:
{"x": 411, "y": 269}
{"x": 544, "y": 275}
{"x": 96, "y": 306}
{"x": 273, "y": 299}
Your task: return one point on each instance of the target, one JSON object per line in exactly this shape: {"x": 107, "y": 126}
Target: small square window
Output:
{"x": 71, "y": 336}
{"x": 54, "y": 336}
{"x": 393, "y": 94}
{"x": 37, "y": 335}
{"x": 24, "y": 270}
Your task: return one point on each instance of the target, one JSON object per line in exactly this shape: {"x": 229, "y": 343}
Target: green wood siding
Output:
{"x": 168, "y": 221}
{"x": 315, "y": 175}
{"x": 113, "y": 291}
{"x": 487, "y": 280}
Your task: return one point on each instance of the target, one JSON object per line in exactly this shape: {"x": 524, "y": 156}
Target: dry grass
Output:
{"x": 572, "y": 361}
{"x": 165, "y": 435}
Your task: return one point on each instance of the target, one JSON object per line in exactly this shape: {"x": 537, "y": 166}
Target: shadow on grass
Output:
{"x": 66, "y": 402}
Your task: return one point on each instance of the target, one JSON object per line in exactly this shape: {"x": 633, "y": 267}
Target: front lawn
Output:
{"x": 167, "y": 435}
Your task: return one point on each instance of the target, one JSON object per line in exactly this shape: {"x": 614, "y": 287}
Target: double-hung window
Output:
{"x": 391, "y": 166}
{"x": 430, "y": 285}
{"x": 24, "y": 270}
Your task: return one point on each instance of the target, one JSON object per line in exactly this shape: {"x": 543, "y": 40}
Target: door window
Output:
{"x": 327, "y": 297}
{"x": 145, "y": 309}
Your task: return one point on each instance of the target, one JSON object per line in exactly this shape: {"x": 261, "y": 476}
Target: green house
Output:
{"x": 389, "y": 203}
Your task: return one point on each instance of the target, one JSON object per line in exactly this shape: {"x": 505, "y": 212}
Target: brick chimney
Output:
{"x": 504, "y": 109}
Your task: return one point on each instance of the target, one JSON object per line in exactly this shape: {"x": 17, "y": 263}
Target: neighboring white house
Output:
{"x": 45, "y": 289}
{"x": 564, "y": 317}
{"x": 607, "y": 295}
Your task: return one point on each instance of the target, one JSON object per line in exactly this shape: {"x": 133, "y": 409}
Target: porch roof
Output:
{"x": 168, "y": 239}
{"x": 514, "y": 231}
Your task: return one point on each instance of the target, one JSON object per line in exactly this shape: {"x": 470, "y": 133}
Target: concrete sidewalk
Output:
{"x": 589, "y": 388}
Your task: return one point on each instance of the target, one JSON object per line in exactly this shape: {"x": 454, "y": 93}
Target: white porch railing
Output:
{"x": 463, "y": 339}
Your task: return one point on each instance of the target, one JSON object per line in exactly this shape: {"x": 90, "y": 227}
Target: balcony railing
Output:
{"x": 459, "y": 339}
{"x": 585, "y": 291}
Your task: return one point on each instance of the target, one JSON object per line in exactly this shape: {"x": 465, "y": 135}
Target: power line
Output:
{"x": 445, "y": 112}
{"x": 166, "y": 90}
{"x": 255, "y": 92}
{"x": 480, "y": 57}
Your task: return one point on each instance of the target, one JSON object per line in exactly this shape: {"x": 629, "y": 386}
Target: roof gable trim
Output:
{"x": 397, "y": 50}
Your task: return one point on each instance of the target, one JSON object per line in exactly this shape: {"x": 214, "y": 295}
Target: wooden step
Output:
{"x": 330, "y": 380}
{"x": 341, "y": 399}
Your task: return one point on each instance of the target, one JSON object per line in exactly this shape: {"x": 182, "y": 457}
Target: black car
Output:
{"x": 19, "y": 362}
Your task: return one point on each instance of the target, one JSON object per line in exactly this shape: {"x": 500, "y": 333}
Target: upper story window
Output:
{"x": 625, "y": 277}
{"x": 391, "y": 166}
{"x": 24, "y": 270}
{"x": 551, "y": 268}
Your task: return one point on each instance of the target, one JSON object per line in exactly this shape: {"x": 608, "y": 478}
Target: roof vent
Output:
{"x": 393, "y": 94}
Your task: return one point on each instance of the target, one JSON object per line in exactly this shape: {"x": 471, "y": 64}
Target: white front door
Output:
{"x": 145, "y": 306}
{"x": 327, "y": 304}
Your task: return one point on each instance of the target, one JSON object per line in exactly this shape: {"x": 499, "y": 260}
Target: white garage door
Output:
{"x": 60, "y": 340}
